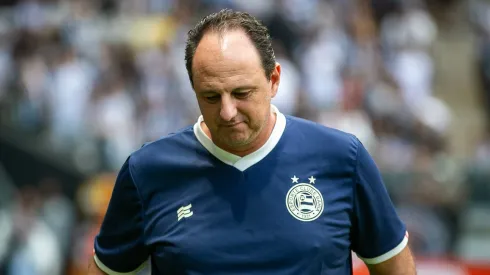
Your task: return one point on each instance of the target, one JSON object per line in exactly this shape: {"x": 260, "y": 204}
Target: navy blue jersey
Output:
{"x": 298, "y": 205}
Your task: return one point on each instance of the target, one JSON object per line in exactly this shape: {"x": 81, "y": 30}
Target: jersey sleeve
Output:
{"x": 119, "y": 246}
{"x": 378, "y": 234}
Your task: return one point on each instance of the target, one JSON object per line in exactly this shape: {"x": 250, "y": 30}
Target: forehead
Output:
{"x": 227, "y": 57}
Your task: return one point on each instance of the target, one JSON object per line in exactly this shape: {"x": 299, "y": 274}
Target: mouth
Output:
{"x": 230, "y": 125}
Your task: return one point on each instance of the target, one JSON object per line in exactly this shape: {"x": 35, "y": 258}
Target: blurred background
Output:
{"x": 83, "y": 83}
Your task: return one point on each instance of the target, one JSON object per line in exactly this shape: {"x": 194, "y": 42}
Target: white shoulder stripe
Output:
{"x": 109, "y": 271}
{"x": 388, "y": 255}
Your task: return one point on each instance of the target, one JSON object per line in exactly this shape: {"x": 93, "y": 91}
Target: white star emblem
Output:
{"x": 295, "y": 179}
{"x": 312, "y": 180}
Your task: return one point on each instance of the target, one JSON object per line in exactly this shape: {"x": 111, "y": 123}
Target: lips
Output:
{"x": 231, "y": 124}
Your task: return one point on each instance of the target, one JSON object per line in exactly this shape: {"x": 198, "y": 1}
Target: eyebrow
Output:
{"x": 243, "y": 88}
{"x": 239, "y": 89}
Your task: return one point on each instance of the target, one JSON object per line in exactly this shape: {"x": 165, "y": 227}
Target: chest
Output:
{"x": 250, "y": 221}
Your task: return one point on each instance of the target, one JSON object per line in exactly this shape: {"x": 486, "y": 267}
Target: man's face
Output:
{"x": 232, "y": 90}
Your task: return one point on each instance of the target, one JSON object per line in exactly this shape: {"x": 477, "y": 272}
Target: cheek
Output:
{"x": 254, "y": 113}
{"x": 209, "y": 113}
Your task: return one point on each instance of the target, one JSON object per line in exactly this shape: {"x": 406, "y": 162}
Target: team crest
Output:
{"x": 304, "y": 201}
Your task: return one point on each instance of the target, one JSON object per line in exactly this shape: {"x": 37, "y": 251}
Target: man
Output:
{"x": 247, "y": 190}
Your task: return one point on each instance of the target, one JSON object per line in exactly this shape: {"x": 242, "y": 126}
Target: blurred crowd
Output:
{"x": 93, "y": 80}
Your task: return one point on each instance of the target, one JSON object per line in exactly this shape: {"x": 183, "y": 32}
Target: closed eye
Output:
{"x": 212, "y": 98}
{"x": 242, "y": 95}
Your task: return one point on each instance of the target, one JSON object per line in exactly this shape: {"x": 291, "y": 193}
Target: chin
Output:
{"x": 237, "y": 139}
{"x": 237, "y": 142}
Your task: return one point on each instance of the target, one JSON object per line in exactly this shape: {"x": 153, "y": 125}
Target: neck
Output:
{"x": 259, "y": 141}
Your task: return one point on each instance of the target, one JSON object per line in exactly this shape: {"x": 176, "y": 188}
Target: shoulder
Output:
{"x": 164, "y": 150}
{"x": 329, "y": 142}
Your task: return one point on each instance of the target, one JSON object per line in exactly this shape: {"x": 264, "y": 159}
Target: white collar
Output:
{"x": 242, "y": 163}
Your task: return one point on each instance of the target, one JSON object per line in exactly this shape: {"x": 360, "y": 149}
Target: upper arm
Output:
{"x": 119, "y": 246}
{"x": 377, "y": 232}
{"x": 400, "y": 264}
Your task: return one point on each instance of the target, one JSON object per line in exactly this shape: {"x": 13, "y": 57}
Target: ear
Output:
{"x": 275, "y": 79}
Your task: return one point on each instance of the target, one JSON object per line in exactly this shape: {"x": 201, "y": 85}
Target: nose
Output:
{"x": 228, "y": 108}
